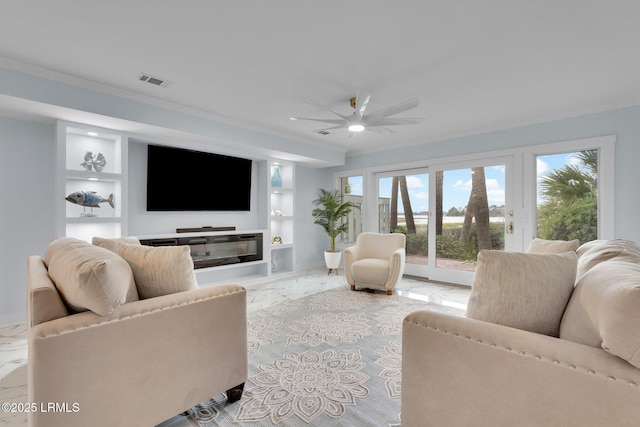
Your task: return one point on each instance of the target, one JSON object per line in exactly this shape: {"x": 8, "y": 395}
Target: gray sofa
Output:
{"x": 462, "y": 371}
{"x": 139, "y": 363}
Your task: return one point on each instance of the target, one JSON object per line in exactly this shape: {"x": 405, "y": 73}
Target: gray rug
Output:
{"x": 329, "y": 359}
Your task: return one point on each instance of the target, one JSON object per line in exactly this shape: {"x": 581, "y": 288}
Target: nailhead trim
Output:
{"x": 522, "y": 353}
{"x": 169, "y": 307}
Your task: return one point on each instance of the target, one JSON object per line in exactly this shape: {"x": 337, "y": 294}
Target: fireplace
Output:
{"x": 217, "y": 250}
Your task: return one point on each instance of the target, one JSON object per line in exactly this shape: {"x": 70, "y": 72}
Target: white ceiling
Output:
{"x": 474, "y": 65}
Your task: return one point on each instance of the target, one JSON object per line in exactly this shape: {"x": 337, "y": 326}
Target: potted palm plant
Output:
{"x": 330, "y": 213}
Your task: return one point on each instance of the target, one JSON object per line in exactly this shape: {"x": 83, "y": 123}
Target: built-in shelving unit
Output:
{"x": 281, "y": 215}
{"x": 94, "y": 160}
{"x": 78, "y": 147}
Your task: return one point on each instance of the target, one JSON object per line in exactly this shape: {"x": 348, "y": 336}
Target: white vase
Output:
{"x": 332, "y": 260}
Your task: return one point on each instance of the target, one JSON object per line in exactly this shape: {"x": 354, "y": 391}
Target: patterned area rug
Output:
{"x": 329, "y": 359}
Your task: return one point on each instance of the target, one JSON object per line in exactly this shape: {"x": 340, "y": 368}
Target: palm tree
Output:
{"x": 570, "y": 207}
{"x": 406, "y": 205}
{"x": 477, "y": 207}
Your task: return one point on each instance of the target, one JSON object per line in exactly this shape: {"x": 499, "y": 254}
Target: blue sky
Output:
{"x": 457, "y": 184}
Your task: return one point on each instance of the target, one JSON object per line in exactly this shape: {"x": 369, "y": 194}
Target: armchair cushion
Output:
{"x": 603, "y": 311}
{"x": 371, "y": 270}
{"x": 522, "y": 290}
{"x": 89, "y": 277}
{"x": 160, "y": 270}
{"x": 542, "y": 246}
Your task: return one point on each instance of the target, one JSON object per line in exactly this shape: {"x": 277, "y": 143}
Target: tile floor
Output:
{"x": 13, "y": 339}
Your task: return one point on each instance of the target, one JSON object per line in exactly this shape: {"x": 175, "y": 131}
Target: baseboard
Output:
{"x": 309, "y": 266}
{"x": 13, "y": 319}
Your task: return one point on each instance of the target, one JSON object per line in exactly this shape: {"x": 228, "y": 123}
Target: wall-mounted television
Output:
{"x": 186, "y": 180}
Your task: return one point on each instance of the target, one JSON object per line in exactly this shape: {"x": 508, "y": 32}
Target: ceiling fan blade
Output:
{"x": 395, "y": 109}
{"x": 392, "y": 121}
{"x": 317, "y": 104}
{"x": 330, "y": 128}
{"x": 380, "y": 129}
{"x": 362, "y": 100}
{"x": 334, "y": 121}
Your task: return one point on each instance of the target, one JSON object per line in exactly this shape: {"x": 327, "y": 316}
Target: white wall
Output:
{"x": 26, "y": 209}
{"x": 624, "y": 123}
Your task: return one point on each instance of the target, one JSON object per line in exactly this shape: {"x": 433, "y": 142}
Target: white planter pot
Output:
{"x": 332, "y": 260}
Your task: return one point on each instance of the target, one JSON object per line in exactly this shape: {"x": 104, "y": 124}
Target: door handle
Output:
{"x": 510, "y": 228}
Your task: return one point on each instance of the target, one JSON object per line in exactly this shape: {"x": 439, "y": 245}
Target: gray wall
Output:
{"x": 26, "y": 210}
{"x": 311, "y": 240}
{"x": 142, "y": 222}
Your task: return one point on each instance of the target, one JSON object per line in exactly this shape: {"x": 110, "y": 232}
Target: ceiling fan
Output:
{"x": 378, "y": 121}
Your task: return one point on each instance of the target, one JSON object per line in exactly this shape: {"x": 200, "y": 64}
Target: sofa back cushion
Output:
{"x": 160, "y": 270}
{"x": 522, "y": 290}
{"x": 89, "y": 277}
{"x": 542, "y": 246}
{"x": 594, "y": 252}
{"x": 604, "y": 310}
{"x": 112, "y": 244}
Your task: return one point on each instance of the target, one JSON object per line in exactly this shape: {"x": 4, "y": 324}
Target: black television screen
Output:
{"x": 187, "y": 180}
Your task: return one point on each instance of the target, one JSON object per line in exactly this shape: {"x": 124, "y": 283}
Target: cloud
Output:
{"x": 415, "y": 182}
{"x": 541, "y": 167}
{"x": 461, "y": 185}
{"x": 495, "y": 193}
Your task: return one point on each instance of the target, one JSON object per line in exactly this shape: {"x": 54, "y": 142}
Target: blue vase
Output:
{"x": 276, "y": 179}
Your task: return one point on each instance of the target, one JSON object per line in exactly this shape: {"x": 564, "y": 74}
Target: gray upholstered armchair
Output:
{"x": 376, "y": 261}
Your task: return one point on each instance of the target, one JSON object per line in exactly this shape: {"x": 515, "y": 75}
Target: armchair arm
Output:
{"x": 464, "y": 372}
{"x": 165, "y": 354}
{"x": 396, "y": 268}
{"x": 351, "y": 254}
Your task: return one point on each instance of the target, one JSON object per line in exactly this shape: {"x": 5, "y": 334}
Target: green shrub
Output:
{"x": 568, "y": 221}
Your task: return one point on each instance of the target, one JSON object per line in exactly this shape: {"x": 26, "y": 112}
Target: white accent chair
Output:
{"x": 376, "y": 261}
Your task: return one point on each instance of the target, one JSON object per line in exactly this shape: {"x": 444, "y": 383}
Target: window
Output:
{"x": 352, "y": 190}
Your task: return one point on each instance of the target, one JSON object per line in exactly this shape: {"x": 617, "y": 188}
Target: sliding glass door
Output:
{"x": 403, "y": 207}
{"x": 471, "y": 212}
{"x": 448, "y": 212}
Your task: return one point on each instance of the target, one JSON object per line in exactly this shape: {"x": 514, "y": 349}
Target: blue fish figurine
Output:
{"x": 90, "y": 199}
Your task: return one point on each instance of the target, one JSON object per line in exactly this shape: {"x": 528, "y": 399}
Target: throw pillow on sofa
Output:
{"x": 594, "y": 252}
{"x": 542, "y": 246}
{"x": 160, "y": 270}
{"x": 604, "y": 309}
{"x": 89, "y": 277}
{"x": 112, "y": 244}
{"x": 522, "y": 290}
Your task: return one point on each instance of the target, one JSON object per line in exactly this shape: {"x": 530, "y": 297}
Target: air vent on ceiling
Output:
{"x": 323, "y": 132}
{"x": 144, "y": 77}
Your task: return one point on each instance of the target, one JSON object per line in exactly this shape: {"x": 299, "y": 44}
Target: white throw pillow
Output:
{"x": 522, "y": 290}
{"x": 89, "y": 277}
{"x": 160, "y": 270}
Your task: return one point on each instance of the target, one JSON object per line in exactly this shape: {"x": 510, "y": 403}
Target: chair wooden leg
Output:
{"x": 389, "y": 291}
{"x": 234, "y": 394}
{"x": 353, "y": 287}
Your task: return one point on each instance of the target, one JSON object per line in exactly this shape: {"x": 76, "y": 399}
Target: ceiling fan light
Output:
{"x": 356, "y": 127}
